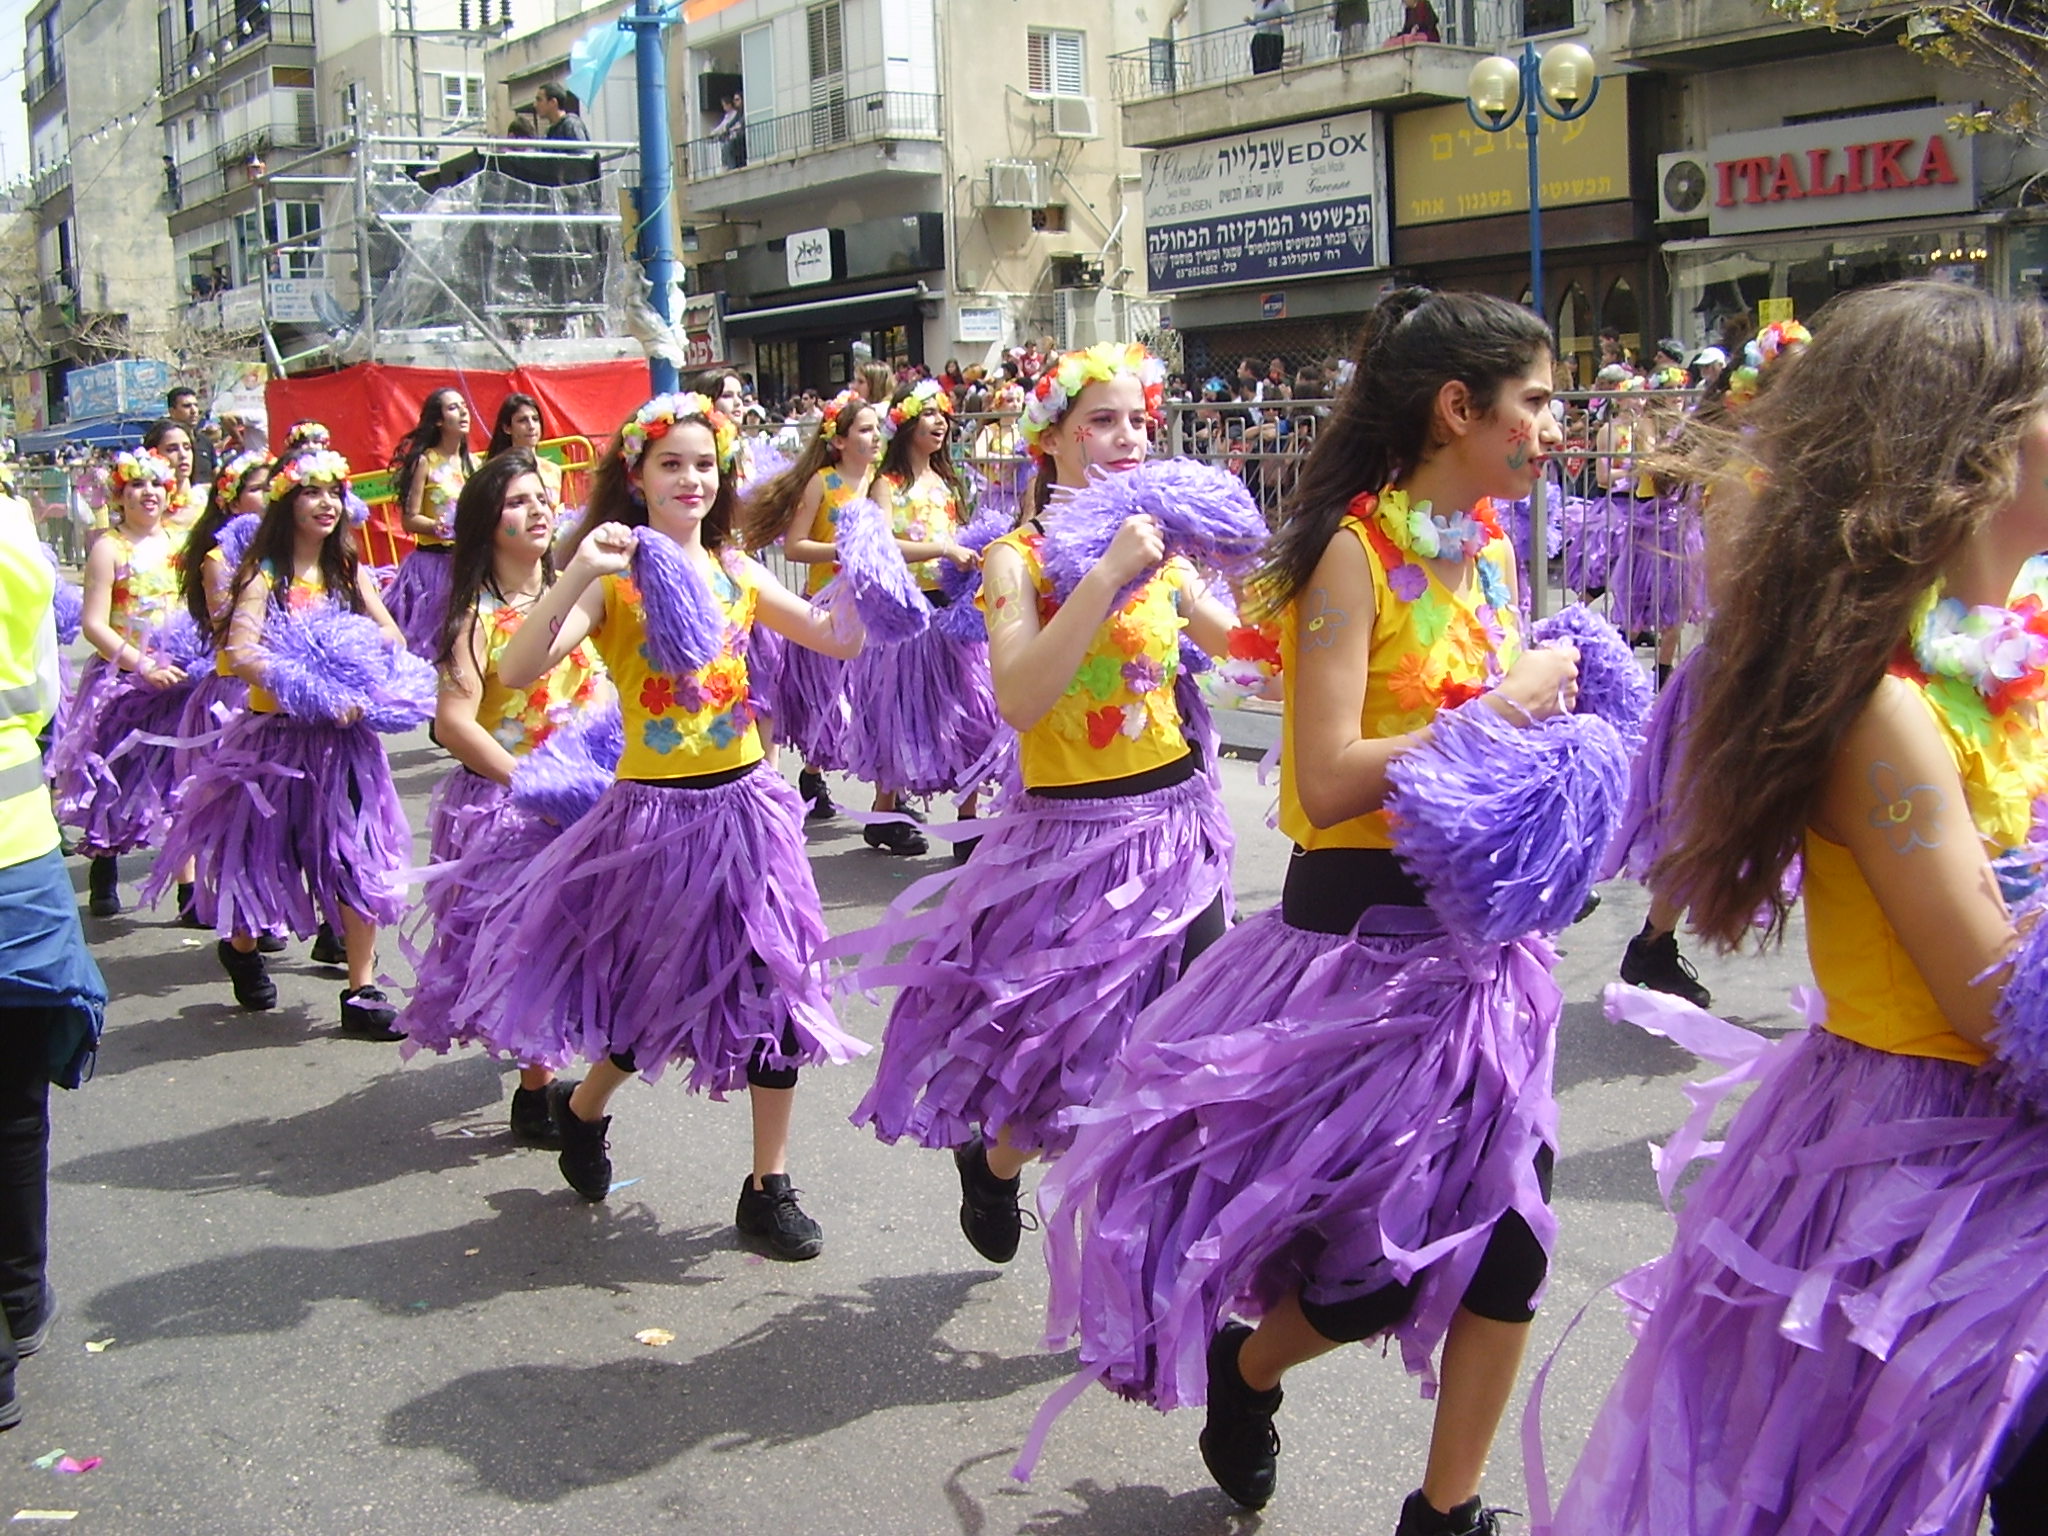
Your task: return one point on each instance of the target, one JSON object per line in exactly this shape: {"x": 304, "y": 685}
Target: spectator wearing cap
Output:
{"x": 1707, "y": 364}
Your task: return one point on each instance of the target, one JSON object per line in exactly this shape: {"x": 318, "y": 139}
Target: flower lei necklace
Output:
{"x": 2002, "y": 653}
{"x": 1417, "y": 529}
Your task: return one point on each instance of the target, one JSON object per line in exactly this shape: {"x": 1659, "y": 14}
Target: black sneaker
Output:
{"x": 1240, "y": 1446}
{"x": 188, "y": 910}
{"x": 990, "y": 1216}
{"x": 812, "y": 787}
{"x": 367, "y": 1014}
{"x": 771, "y": 1216}
{"x": 103, "y": 886}
{"x": 1419, "y": 1517}
{"x": 1657, "y": 965}
{"x": 269, "y": 943}
{"x": 248, "y": 975}
{"x": 1588, "y": 908}
{"x": 328, "y": 948}
{"x": 897, "y": 837}
{"x": 533, "y": 1123}
{"x": 32, "y": 1341}
{"x": 585, "y": 1161}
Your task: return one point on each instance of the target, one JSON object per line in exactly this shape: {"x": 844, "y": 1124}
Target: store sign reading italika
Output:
{"x": 1887, "y": 166}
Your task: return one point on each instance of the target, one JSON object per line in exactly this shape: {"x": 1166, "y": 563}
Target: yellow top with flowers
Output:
{"x": 145, "y": 590}
{"x": 838, "y": 491}
{"x": 181, "y": 511}
{"x": 924, "y": 513}
{"x": 1433, "y": 648}
{"x": 1118, "y": 716}
{"x": 1875, "y": 994}
{"x": 520, "y": 719}
{"x": 443, "y": 478}
{"x": 700, "y": 722}
{"x": 304, "y": 594}
{"x": 217, "y": 562}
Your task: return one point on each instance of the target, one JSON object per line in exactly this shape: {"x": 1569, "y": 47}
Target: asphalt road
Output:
{"x": 333, "y": 1297}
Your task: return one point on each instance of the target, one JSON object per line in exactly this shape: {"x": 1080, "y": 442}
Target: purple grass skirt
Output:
{"x": 213, "y": 702}
{"x": 1515, "y": 519}
{"x": 811, "y": 712}
{"x": 113, "y": 768}
{"x": 1328, "y": 1113}
{"x": 1851, "y": 1318}
{"x": 288, "y": 822}
{"x": 483, "y": 845}
{"x": 675, "y": 924}
{"x": 1588, "y": 525}
{"x": 418, "y": 598}
{"x": 923, "y": 714}
{"x": 1640, "y": 841}
{"x": 1658, "y": 563}
{"x": 1023, "y": 981}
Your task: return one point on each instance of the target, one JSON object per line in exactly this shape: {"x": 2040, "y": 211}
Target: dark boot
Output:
{"x": 1240, "y": 1446}
{"x": 103, "y": 886}
{"x": 585, "y": 1161}
{"x": 248, "y": 975}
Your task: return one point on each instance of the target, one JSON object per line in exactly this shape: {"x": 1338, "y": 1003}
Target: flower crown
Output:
{"x": 924, "y": 395}
{"x": 1776, "y": 337}
{"x": 146, "y": 467}
{"x": 307, "y": 434}
{"x": 323, "y": 466}
{"x": 654, "y": 420}
{"x": 1671, "y": 376}
{"x": 231, "y": 474}
{"x": 846, "y": 403}
{"x": 1072, "y": 372}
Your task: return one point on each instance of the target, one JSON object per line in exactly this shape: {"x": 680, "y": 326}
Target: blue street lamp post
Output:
{"x": 1560, "y": 84}
{"x": 657, "y": 177}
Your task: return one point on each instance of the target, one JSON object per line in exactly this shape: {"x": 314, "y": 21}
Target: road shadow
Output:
{"x": 1121, "y": 1510}
{"x": 539, "y": 1433}
{"x": 1620, "y": 1174}
{"x": 386, "y": 1129}
{"x": 1591, "y": 1049}
{"x": 201, "y": 1032}
{"x": 533, "y": 1241}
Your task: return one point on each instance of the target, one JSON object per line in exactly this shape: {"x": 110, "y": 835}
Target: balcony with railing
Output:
{"x": 1332, "y": 58}
{"x": 50, "y": 181}
{"x": 45, "y": 74}
{"x": 842, "y": 142}
{"x": 1717, "y": 34}
{"x": 190, "y": 58}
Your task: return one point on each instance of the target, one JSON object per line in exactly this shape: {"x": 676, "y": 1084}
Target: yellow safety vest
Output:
{"x": 28, "y": 651}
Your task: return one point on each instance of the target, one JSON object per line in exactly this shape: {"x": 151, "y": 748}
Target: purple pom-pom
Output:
{"x": 235, "y": 536}
{"x": 1204, "y": 512}
{"x": 67, "y": 603}
{"x": 2021, "y": 1038}
{"x": 178, "y": 642}
{"x": 562, "y": 778}
{"x": 960, "y": 619}
{"x": 1505, "y": 825}
{"x": 358, "y": 509}
{"x": 767, "y": 459}
{"x": 874, "y": 577}
{"x": 330, "y": 664}
{"x": 1611, "y": 680}
{"x": 685, "y": 626}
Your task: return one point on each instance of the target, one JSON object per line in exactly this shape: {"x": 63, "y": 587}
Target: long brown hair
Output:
{"x": 766, "y": 512}
{"x": 1889, "y": 443}
{"x": 473, "y": 567}
{"x": 273, "y": 553}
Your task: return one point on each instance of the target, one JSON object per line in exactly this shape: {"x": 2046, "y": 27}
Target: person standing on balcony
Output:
{"x": 1268, "y": 22}
{"x": 731, "y": 132}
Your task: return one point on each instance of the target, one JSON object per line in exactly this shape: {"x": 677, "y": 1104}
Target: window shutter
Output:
{"x": 1053, "y": 65}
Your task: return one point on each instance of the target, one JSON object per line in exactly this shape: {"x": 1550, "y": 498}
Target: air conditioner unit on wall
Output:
{"x": 1016, "y": 184}
{"x": 1073, "y": 117}
{"x": 1081, "y": 316}
{"x": 1076, "y": 271}
{"x": 1684, "y": 180}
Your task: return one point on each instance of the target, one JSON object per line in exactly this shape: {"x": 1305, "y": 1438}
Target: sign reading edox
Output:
{"x": 1291, "y": 202}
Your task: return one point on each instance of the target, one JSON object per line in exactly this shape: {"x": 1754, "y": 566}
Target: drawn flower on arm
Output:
{"x": 1319, "y": 621}
{"x": 1909, "y": 815}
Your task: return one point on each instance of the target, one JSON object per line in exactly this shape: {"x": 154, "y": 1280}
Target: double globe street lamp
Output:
{"x": 1561, "y": 84}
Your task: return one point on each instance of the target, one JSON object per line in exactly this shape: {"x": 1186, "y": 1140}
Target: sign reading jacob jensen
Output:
{"x": 1292, "y": 202}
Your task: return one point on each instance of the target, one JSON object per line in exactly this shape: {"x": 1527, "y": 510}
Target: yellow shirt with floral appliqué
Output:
{"x": 838, "y": 492}
{"x": 924, "y": 513}
{"x": 1433, "y": 648}
{"x": 520, "y": 719}
{"x": 145, "y": 592}
{"x": 442, "y": 478}
{"x": 302, "y": 596}
{"x": 697, "y": 723}
{"x": 1118, "y": 717}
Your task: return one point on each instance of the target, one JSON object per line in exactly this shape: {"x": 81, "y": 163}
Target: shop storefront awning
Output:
{"x": 854, "y": 309}
{"x": 97, "y": 432}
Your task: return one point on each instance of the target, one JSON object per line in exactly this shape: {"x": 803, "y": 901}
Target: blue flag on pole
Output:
{"x": 592, "y": 58}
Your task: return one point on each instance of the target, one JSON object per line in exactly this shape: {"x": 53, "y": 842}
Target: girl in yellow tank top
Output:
{"x": 799, "y": 510}
{"x": 432, "y": 462}
{"x": 1093, "y": 889}
{"x": 479, "y": 841}
{"x": 1846, "y": 1332}
{"x": 1340, "y": 1121}
{"x": 676, "y": 924}
{"x": 115, "y": 794}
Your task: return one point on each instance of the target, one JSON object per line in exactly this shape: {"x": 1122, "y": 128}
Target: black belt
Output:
{"x": 1165, "y": 776}
{"x": 1329, "y": 889}
{"x": 699, "y": 780}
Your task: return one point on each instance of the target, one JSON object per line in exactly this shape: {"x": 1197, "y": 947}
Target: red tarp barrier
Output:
{"x": 370, "y": 406}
